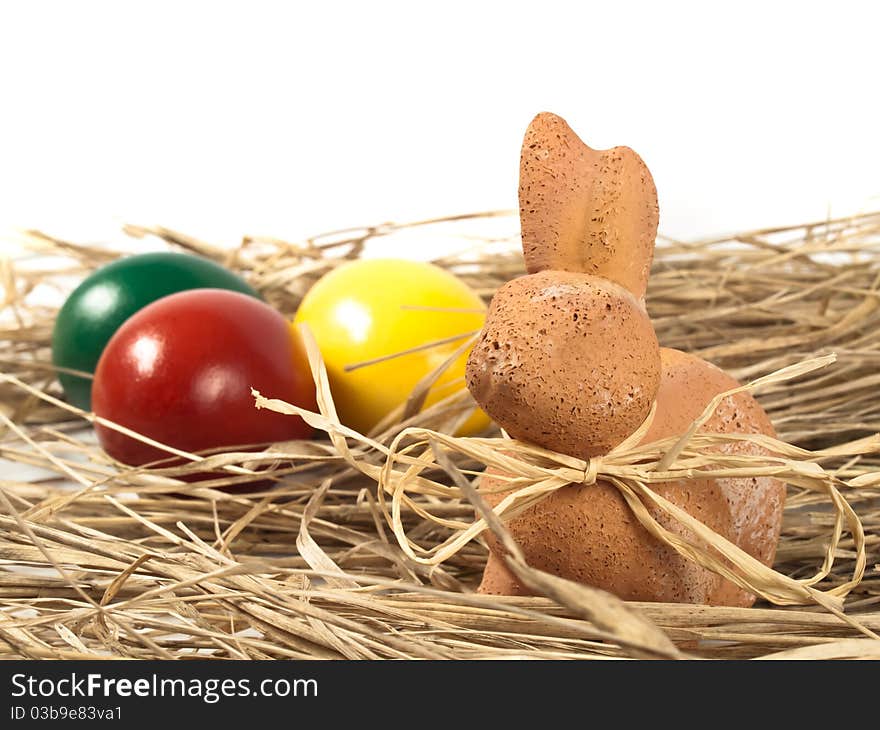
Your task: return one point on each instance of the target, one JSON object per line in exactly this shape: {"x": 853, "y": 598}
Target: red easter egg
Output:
{"x": 180, "y": 371}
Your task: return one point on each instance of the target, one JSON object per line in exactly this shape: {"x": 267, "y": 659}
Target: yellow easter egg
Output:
{"x": 368, "y": 309}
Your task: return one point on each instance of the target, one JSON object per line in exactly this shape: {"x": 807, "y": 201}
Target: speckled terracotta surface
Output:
{"x": 593, "y": 211}
{"x": 566, "y": 361}
{"x": 588, "y": 534}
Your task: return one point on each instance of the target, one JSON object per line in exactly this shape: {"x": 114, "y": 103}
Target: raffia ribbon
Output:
{"x": 535, "y": 473}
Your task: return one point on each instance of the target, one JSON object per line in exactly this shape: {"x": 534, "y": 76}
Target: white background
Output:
{"x": 290, "y": 119}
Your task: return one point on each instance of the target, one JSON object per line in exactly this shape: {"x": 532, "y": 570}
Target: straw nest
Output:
{"x": 367, "y": 545}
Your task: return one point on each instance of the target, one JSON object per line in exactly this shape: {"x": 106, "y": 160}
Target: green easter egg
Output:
{"x": 103, "y": 301}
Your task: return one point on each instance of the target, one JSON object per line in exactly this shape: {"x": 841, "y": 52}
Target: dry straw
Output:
{"x": 368, "y": 545}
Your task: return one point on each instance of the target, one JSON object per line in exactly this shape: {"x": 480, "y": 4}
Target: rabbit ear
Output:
{"x": 585, "y": 210}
